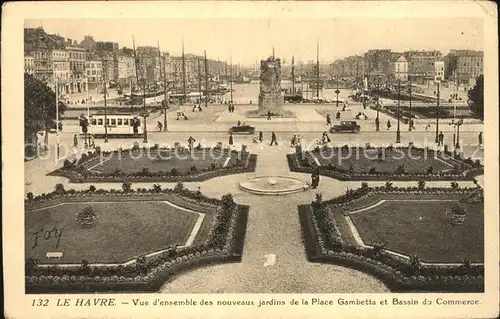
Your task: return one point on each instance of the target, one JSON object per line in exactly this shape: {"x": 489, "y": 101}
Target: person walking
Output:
{"x": 269, "y": 114}
{"x": 261, "y": 137}
{"x": 293, "y": 141}
{"x": 191, "y": 141}
{"x": 328, "y": 119}
{"x": 388, "y": 125}
{"x": 92, "y": 141}
{"x": 480, "y": 138}
{"x": 159, "y": 126}
{"x": 75, "y": 140}
{"x": 230, "y": 139}
{"x": 315, "y": 178}
{"x": 441, "y": 139}
{"x": 273, "y": 139}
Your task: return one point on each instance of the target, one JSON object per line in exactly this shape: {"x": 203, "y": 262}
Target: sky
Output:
{"x": 247, "y": 41}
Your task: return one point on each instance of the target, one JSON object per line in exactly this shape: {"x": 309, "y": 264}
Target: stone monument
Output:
{"x": 270, "y": 97}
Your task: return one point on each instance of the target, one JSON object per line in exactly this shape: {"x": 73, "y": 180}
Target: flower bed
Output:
{"x": 148, "y": 273}
{"x": 398, "y": 273}
{"x": 78, "y": 171}
{"x": 463, "y": 169}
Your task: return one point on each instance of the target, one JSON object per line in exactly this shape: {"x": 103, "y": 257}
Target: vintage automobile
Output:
{"x": 346, "y": 126}
{"x": 242, "y": 129}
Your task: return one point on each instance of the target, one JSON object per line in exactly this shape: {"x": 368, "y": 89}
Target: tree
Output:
{"x": 476, "y": 97}
{"x": 39, "y": 108}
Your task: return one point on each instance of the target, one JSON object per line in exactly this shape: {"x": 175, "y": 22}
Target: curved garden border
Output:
{"x": 397, "y": 273}
{"x": 76, "y": 173}
{"x": 303, "y": 162}
{"x": 224, "y": 244}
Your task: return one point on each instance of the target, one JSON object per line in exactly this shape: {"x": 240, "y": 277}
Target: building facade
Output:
{"x": 421, "y": 65}
{"x": 464, "y": 66}
{"x": 77, "y": 64}
{"x": 439, "y": 70}
{"x": 93, "y": 69}
{"x": 29, "y": 64}
{"x": 106, "y": 46}
{"x": 399, "y": 69}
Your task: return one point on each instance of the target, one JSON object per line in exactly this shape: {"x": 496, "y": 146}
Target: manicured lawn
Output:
{"x": 362, "y": 162}
{"x": 422, "y": 228}
{"x": 123, "y": 231}
{"x": 135, "y": 162}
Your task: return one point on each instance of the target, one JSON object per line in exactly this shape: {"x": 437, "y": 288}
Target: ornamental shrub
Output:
{"x": 421, "y": 184}
{"x": 127, "y": 187}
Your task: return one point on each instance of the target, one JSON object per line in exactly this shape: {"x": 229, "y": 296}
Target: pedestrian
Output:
{"x": 191, "y": 141}
{"x": 229, "y": 108}
{"x": 480, "y": 138}
{"x": 92, "y": 141}
{"x": 159, "y": 126}
{"x": 273, "y": 139}
{"x": 328, "y": 119}
{"x": 338, "y": 115}
{"x": 293, "y": 141}
{"x": 269, "y": 114}
{"x": 324, "y": 138}
{"x": 388, "y": 124}
{"x": 261, "y": 137}
{"x": 239, "y": 123}
{"x": 315, "y": 178}
{"x": 231, "y": 139}
{"x": 194, "y": 108}
{"x": 75, "y": 140}
{"x": 441, "y": 138}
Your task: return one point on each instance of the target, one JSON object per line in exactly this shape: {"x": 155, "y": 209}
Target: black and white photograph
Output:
{"x": 272, "y": 154}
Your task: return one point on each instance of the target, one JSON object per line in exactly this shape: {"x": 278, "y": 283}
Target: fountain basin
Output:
{"x": 273, "y": 185}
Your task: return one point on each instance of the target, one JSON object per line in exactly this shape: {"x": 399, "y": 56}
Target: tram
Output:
{"x": 118, "y": 125}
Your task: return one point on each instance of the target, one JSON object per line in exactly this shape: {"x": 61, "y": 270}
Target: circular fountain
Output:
{"x": 273, "y": 185}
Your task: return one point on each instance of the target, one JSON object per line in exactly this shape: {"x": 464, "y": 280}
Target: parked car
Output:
{"x": 242, "y": 129}
{"x": 346, "y": 126}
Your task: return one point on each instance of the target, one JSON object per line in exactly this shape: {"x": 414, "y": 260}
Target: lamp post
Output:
{"x": 398, "y": 132}
{"x": 337, "y": 90}
{"x": 410, "y": 122}
{"x": 437, "y": 114}
{"x": 377, "y": 120}
{"x": 458, "y": 124}
{"x": 105, "y": 113}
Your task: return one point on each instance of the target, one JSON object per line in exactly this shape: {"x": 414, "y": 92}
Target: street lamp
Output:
{"x": 437, "y": 114}
{"x": 377, "y": 120}
{"x": 410, "y": 122}
{"x": 337, "y": 90}
{"x": 398, "y": 132}
{"x": 458, "y": 124}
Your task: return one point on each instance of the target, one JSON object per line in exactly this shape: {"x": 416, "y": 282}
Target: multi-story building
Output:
{"x": 93, "y": 68}
{"x": 399, "y": 69}
{"x": 28, "y": 64}
{"x": 108, "y": 65}
{"x": 377, "y": 65}
{"x": 464, "y": 66}
{"x": 106, "y": 46}
{"x": 148, "y": 64}
{"x": 88, "y": 43}
{"x": 124, "y": 68}
{"x": 439, "y": 70}
{"x": 52, "y": 65}
{"x": 421, "y": 65}
{"x": 77, "y": 63}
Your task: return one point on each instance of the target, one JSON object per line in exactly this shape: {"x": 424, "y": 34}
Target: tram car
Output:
{"x": 118, "y": 125}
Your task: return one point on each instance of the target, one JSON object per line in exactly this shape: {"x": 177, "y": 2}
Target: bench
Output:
{"x": 57, "y": 254}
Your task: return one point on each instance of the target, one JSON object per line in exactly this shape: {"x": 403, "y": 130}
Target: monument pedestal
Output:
{"x": 270, "y": 102}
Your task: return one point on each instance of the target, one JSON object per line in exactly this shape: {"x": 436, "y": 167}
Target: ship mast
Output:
{"x": 317, "y": 70}
{"x": 206, "y": 78}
